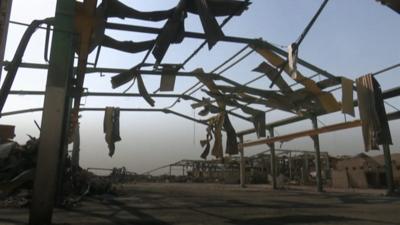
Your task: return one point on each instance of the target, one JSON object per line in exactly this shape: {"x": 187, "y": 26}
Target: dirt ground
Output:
{"x": 163, "y": 204}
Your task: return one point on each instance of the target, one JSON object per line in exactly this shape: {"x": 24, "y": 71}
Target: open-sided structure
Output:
{"x": 79, "y": 28}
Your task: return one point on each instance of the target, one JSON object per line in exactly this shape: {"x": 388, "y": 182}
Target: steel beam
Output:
{"x": 313, "y": 132}
{"x": 5, "y": 12}
{"x": 394, "y": 92}
{"x": 388, "y": 169}
{"x": 109, "y": 94}
{"x": 151, "y": 30}
{"x": 54, "y": 118}
{"x": 273, "y": 159}
{"x": 315, "y": 139}
{"x": 306, "y": 133}
{"x": 242, "y": 164}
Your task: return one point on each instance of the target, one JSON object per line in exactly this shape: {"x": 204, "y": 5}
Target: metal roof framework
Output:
{"x": 187, "y": 95}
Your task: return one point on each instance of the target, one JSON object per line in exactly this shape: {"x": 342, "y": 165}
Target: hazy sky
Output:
{"x": 351, "y": 38}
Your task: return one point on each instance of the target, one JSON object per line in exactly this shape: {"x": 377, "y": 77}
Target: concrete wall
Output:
{"x": 340, "y": 179}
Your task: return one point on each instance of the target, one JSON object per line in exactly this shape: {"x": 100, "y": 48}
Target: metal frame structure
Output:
{"x": 5, "y": 11}
{"x": 57, "y": 104}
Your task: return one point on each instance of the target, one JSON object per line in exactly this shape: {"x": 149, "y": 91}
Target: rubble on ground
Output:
{"x": 17, "y": 171}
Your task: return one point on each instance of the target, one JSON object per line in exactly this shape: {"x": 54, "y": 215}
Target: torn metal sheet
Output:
{"x": 117, "y": 9}
{"x": 270, "y": 98}
{"x": 272, "y": 74}
{"x": 327, "y": 100}
{"x": 258, "y": 118}
{"x": 207, "y": 105}
{"x": 347, "y": 96}
{"x": 374, "y": 122}
{"x": 168, "y": 77}
{"x": 222, "y": 7}
{"x": 206, "y": 143}
{"x": 271, "y": 102}
{"x": 111, "y": 128}
{"x": 210, "y": 25}
{"x": 124, "y": 77}
{"x": 292, "y": 60}
{"x": 231, "y": 139}
{"x": 143, "y": 90}
{"x": 203, "y": 102}
{"x": 127, "y": 46}
{"x": 131, "y": 74}
{"x": 217, "y": 124}
{"x": 172, "y": 32}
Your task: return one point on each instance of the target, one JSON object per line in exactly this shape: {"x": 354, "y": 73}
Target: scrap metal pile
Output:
{"x": 17, "y": 171}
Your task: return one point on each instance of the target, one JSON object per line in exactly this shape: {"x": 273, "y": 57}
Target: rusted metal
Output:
{"x": 306, "y": 133}
{"x": 394, "y": 92}
{"x": 318, "y": 168}
{"x": 5, "y": 12}
{"x": 273, "y": 159}
{"x": 53, "y": 143}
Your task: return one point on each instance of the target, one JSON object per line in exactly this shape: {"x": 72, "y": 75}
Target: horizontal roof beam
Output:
{"x": 394, "y": 92}
{"x": 241, "y": 40}
{"x": 166, "y": 111}
{"x": 108, "y": 94}
{"x": 313, "y": 132}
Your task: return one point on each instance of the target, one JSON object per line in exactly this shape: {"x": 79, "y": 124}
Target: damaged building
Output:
{"x": 209, "y": 63}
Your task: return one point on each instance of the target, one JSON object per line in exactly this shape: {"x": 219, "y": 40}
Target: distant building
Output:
{"x": 395, "y": 166}
{"x": 363, "y": 171}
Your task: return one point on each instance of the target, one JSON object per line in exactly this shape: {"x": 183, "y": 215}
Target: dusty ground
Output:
{"x": 161, "y": 204}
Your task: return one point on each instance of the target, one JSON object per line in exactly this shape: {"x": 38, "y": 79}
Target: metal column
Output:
{"x": 317, "y": 155}
{"x": 290, "y": 166}
{"x": 242, "y": 164}
{"x": 75, "y": 155}
{"x": 273, "y": 159}
{"x": 5, "y": 11}
{"x": 55, "y": 114}
{"x": 388, "y": 169}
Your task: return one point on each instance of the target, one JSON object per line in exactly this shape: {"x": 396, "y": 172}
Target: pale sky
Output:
{"x": 351, "y": 38}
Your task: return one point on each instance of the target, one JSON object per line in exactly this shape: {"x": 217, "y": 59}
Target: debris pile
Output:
{"x": 17, "y": 163}
{"x": 17, "y": 171}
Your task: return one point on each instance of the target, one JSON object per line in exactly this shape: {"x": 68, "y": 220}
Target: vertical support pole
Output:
{"x": 55, "y": 116}
{"x": 317, "y": 155}
{"x": 273, "y": 159}
{"x": 328, "y": 166}
{"x": 328, "y": 163}
{"x": 305, "y": 171}
{"x": 5, "y": 11}
{"x": 388, "y": 169}
{"x": 76, "y": 149}
{"x": 290, "y": 166}
{"x": 242, "y": 163}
